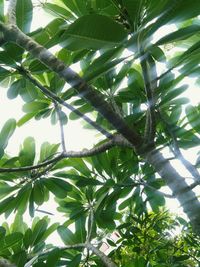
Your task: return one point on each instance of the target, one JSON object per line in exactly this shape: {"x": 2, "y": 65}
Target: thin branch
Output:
{"x": 62, "y": 135}
{"x": 117, "y": 141}
{"x": 56, "y": 98}
{"x": 11, "y": 14}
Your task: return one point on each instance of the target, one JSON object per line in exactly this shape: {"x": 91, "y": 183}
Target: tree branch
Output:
{"x": 117, "y": 141}
{"x": 94, "y": 97}
{"x": 56, "y": 98}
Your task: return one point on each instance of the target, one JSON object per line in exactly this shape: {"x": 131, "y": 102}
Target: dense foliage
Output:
{"x": 131, "y": 89}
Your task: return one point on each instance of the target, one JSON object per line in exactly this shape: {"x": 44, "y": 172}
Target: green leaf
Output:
{"x": 25, "y": 118}
{"x": 58, "y": 11}
{"x": 66, "y": 235}
{"x": 53, "y": 257}
{"x": 34, "y": 106}
{"x": 24, "y": 13}
{"x": 133, "y": 9}
{"x": 28, "y": 92}
{"x": 193, "y": 116}
{"x": 28, "y": 236}
{"x": 172, "y": 94}
{"x": 22, "y": 198}
{"x": 93, "y": 32}
{"x": 101, "y": 69}
{"x": 75, "y": 261}
{"x": 39, "y": 230}
{"x": 88, "y": 181}
{"x": 57, "y": 186}
{"x": 180, "y": 34}
{"x": 2, "y": 10}
{"x": 38, "y": 192}
{"x": 174, "y": 12}
{"x": 5, "y": 134}
{"x": 10, "y": 240}
{"x": 47, "y": 150}
{"x": 27, "y": 153}
{"x": 14, "y": 89}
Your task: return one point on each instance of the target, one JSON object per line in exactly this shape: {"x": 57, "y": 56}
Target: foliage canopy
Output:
{"x": 131, "y": 89}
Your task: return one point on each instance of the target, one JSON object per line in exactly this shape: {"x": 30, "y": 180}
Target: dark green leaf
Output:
{"x": 57, "y": 186}
{"x": 94, "y": 32}
{"x": 27, "y": 153}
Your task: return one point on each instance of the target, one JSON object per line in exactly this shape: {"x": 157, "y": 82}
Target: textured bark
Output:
{"x": 179, "y": 187}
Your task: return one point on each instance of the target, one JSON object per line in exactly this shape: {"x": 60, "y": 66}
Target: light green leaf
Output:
{"x": 24, "y": 13}
{"x": 5, "y": 134}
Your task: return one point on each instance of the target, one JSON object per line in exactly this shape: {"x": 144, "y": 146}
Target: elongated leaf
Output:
{"x": 66, "y": 235}
{"x": 53, "y": 257}
{"x": 34, "y": 106}
{"x": 133, "y": 9}
{"x": 175, "y": 11}
{"x": 38, "y": 192}
{"x": 180, "y": 34}
{"x": 94, "y": 32}
{"x": 58, "y": 11}
{"x": 39, "y": 231}
{"x": 193, "y": 116}
{"x": 57, "y": 186}
{"x": 24, "y": 13}
{"x": 101, "y": 69}
{"x": 27, "y": 153}
{"x": 14, "y": 89}
{"x": 25, "y": 119}
{"x": 5, "y": 134}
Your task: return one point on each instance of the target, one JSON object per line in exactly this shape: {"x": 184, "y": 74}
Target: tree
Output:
{"x": 119, "y": 58}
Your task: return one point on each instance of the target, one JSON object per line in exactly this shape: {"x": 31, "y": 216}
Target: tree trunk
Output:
{"x": 180, "y": 189}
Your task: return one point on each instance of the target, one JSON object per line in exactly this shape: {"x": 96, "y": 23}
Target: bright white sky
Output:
{"x": 77, "y": 138}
